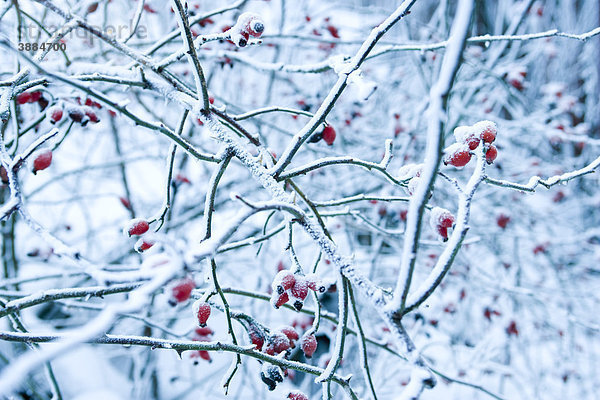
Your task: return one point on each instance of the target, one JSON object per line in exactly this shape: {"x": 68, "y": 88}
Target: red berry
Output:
{"x": 295, "y": 395}
{"x": 182, "y": 291}
{"x": 277, "y": 300}
{"x": 459, "y": 158}
{"x": 3, "y": 175}
{"x": 277, "y": 343}
{"x": 202, "y": 311}
{"x": 308, "y": 343}
{"x": 440, "y": 220}
{"x": 256, "y": 27}
{"x": 203, "y": 332}
{"x": 290, "y": 333}
{"x": 126, "y": 203}
{"x": 512, "y": 329}
{"x": 137, "y": 227}
{"x": 203, "y": 354}
{"x": 149, "y": 9}
{"x": 491, "y": 154}
{"x": 300, "y": 288}
{"x": 257, "y": 337}
{"x": 42, "y": 161}
{"x": 502, "y": 220}
{"x": 23, "y": 98}
{"x": 328, "y": 134}
{"x": 284, "y": 280}
{"x": 93, "y": 117}
{"x": 472, "y": 142}
{"x": 488, "y": 135}
{"x": 144, "y": 244}
{"x": 333, "y": 31}
{"x": 35, "y": 97}
{"x": 55, "y": 113}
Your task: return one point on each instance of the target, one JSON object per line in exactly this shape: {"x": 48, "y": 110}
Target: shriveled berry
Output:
{"x": 201, "y": 311}
{"x": 136, "y": 227}
{"x": 182, "y": 290}
{"x": 271, "y": 375}
{"x": 78, "y": 115}
{"x": 42, "y": 161}
{"x": 316, "y": 137}
{"x": 328, "y": 134}
{"x": 308, "y": 343}
{"x": 491, "y": 154}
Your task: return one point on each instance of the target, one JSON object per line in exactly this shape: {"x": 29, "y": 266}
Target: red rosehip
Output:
{"x": 277, "y": 300}
{"x": 93, "y": 117}
{"x": 201, "y": 311}
{"x": 284, "y": 280}
{"x": 35, "y": 97}
{"x": 203, "y": 354}
{"x": 182, "y": 291}
{"x": 290, "y": 332}
{"x": 23, "y": 98}
{"x": 42, "y": 161}
{"x": 277, "y": 343}
{"x": 314, "y": 283}
{"x": 55, "y": 113}
{"x": 491, "y": 154}
{"x": 487, "y": 130}
{"x": 300, "y": 288}
{"x": 502, "y": 220}
{"x": 328, "y": 135}
{"x": 333, "y": 31}
{"x": 458, "y": 156}
{"x": 125, "y": 202}
{"x": 308, "y": 343}
{"x": 136, "y": 227}
{"x": 144, "y": 244}
{"x": 257, "y": 337}
{"x": 440, "y": 220}
{"x": 295, "y": 395}
{"x": 512, "y": 329}
{"x": 203, "y": 332}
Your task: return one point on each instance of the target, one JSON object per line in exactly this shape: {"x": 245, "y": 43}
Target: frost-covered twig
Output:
{"x": 435, "y": 132}
{"x": 535, "y": 181}
{"x": 336, "y": 91}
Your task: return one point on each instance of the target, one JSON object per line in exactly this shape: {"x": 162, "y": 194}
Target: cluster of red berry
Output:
{"x": 468, "y": 139}
{"x": 138, "y": 227}
{"x": 293, "y": 286}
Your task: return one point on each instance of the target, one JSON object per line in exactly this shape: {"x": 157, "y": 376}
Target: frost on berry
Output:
{"x": 91, "y": 114}
{"x": 136, "y": 227}
{"x": 457, "y": 155}
{"x": 77, "y": 114}
{"x": 182, "y": 291}
{"x": 308, "y": 344}
{"x": 296, "y": 395}
{"x": 248, "y": 24}
{"x": 486, "y": 130}
{"x": 284, "y": 280}
{"x": 291, "y": 334}
{"x": 201, "y": 311}
{"x": 299, "y": 292}
{"x": 257, "y": 336}
{"x": 42, "y": 161}
{"x": 277, "y": 343}
{"x": 314, "y": 283}
{"x": 271, "y": 375}
{"x": 440, "y": 220}
{"x": 467, "y": 135}
{"x": 328, "y": 135}
{"x": 144, "y": 244}
{"x": 55, "y": 114}
{"x": 409, "y": 171}
{"x": 491, "y": 154}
